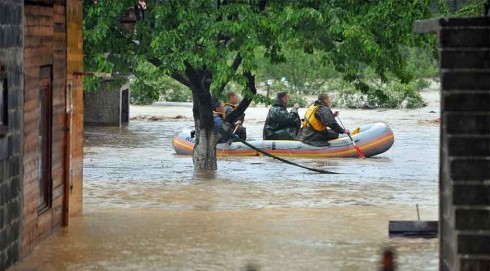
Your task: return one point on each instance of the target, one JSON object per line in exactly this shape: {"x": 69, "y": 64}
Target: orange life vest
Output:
{"x": 232, "y": 105}
{"x": 222, "y": 114}
{"x": 311, "y": 120}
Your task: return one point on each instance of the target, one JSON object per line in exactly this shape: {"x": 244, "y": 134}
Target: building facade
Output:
{"x": 41, "y": 121}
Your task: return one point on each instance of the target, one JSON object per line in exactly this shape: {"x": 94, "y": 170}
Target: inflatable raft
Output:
{"x": 372, "y": 139}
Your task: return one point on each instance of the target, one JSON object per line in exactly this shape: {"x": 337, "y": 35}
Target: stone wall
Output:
{"x": 107, "y": 107}
{"x": 11, "y": 104}
{"x": 464, "y": 175}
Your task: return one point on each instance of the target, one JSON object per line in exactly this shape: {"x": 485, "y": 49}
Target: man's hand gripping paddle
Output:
{"x": 359, "y": 152}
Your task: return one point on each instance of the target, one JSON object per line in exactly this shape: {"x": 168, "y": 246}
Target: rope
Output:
{"x": 226, "y": 132}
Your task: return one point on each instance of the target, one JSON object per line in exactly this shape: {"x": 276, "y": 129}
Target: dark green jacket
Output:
{"x": 281, "y": 124}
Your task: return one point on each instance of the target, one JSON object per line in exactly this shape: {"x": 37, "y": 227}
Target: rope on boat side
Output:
{"x": 228, "y": 134}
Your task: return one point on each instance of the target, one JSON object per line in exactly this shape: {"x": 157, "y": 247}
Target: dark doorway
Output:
{"x": 125, "y": 106}
{"x": 45, "y": 137}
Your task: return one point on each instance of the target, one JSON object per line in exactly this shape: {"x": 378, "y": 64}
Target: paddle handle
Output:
{"x": 359, "y": 151}
{"x": 236, "y": 128}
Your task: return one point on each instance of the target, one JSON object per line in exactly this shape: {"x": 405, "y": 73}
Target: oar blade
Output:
{"x": 359, "y": 152}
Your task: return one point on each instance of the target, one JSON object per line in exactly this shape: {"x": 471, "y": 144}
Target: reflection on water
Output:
{"x": 146, "y": 208}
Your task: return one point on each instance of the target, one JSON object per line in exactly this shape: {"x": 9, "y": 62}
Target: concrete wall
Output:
{"x": 464, "y": 175}
{"x": 11, "y": 78}
{"x": 107, "y": 107}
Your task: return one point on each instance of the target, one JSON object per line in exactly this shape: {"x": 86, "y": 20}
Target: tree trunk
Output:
{"x": 204, "y": 156}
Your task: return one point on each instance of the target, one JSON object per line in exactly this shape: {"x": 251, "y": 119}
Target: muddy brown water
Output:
{"x": 146, "y": 209}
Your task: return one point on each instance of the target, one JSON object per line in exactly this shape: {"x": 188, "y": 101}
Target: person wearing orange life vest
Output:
{"x": 319, "y": 124}
{"x": 218, "y": 118}
{"x": 237, "y": 126}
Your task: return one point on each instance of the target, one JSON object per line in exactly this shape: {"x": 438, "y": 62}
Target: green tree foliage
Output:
{"x": 461, "y": 7}
{"x": 306, "y": 73}
{"x": 150, "y": 85}
{"x": 206, "y": 44}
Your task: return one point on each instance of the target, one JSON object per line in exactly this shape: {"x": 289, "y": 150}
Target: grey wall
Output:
{"x": 465, "y": 144}
{"x": 106, "y": 107}
{"x": 464, "y": 174}
{"x": 11, "y": 58}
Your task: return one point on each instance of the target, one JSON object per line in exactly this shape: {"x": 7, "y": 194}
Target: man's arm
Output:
{"x": 326, "y": 117}
{"x": 228, "y": 110}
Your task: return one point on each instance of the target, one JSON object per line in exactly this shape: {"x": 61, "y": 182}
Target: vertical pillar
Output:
{"x": 465, "y": 143}
{"x": 464, "y": 175}
{"x": 74, "y": 100}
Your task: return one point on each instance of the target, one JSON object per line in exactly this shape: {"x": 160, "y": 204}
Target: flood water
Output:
{"x": 146, "y": 209}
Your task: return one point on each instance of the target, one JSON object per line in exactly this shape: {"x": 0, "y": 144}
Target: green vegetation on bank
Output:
{"x": 307, "y": 75}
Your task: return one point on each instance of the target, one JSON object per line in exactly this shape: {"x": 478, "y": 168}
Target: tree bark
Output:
{"x": 204, "y": 156}
{"x": 199, "y": 81}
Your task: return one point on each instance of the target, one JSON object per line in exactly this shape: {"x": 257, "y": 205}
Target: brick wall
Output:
{"x": 464, "y": 46}
{"x": 465, "y": 143}
{"x": 44, "y": 46}
{"x": 11, "y": 79}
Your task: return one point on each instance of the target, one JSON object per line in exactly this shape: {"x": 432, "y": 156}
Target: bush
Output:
{"x": 391, "y": 95}
{"x": 297, "y": 99}
{"x": 178, "y": 95}
{"x": 142, "y": 93}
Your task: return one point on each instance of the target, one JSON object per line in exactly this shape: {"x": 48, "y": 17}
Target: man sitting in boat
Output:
{"x": 281, "y": 124}
{"x": 232, "y": 103}
{"x": 218, "y": 117}
{"x": 319, "y": 124}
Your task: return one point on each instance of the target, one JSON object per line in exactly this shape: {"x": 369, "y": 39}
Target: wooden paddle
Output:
{"x": 359, "y": 152}
{"x": 236, "y": 128}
